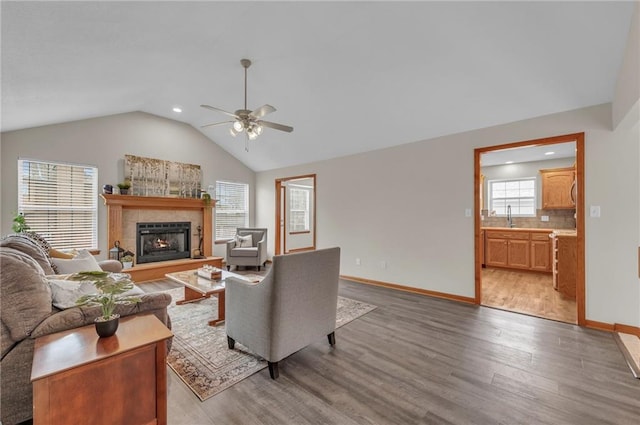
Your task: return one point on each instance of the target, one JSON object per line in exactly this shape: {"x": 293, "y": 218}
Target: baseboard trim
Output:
{"x": 601, "y": 326}
{"x": 592, "y": 324}
{"x": 616, "y": 327}
{"x": 626, "y": 329}
{"x": 404, "y": 288}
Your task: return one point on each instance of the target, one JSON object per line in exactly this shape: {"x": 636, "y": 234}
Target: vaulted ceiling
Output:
{"x": 348, "y": 76}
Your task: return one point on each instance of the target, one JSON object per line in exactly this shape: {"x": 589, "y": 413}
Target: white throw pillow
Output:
{"x": 244, "y": 241}
{"x": 82, "y": 262}
{"x": 65, "y": 293}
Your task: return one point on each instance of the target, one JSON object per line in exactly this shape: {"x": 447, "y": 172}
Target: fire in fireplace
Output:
{"x": 163, "y": 241}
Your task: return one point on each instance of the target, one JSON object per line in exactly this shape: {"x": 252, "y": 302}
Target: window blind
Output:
{"x": 232, "y": 208}
{"x": 59, "y": 201}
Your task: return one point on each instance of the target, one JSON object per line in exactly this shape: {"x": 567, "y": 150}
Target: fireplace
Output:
{"x": 163, "y": 241}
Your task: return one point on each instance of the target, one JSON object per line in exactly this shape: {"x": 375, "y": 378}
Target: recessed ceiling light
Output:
{"x": 509, "y": 162}
{"x": 549, "y": 153}
{"x": 177, "y": 109}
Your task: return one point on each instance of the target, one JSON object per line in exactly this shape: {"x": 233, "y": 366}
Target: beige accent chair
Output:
{"x": 254, "y": 255}
{"x": 292, "y": 307}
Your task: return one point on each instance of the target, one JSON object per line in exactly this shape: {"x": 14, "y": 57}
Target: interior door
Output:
{"x": 295, "y": 214}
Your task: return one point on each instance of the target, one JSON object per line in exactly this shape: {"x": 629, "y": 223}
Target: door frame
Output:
{"x": 578, "y": 138}
{"x": 281, "y": 215}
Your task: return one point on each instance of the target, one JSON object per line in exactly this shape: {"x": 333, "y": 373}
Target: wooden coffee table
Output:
{"x": 198, "y": 288}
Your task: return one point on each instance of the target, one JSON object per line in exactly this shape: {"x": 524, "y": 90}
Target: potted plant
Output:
{"x": 127, "y": 261}
{"x": 111, "y": 291}
{"x": 124, "y": 187}
{"x": 19, "y": 224}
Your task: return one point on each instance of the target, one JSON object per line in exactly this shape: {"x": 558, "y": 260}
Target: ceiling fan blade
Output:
{"x": 213, "y": 108}
{"x": 216, "y": 123}
{"x": 275, "y": 126}
{"x": 262, "y": 111}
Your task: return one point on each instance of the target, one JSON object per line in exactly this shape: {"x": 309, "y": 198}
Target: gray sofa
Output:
{"x": 254, "y": 255}
{"x": 27, "y": 313}
{"x": 292, "y": 307}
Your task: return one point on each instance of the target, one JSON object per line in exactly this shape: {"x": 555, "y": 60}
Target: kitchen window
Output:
{"x": 232, "y": 208}
{"x": 59, "y": 201}
{"x": 520, "y": 194}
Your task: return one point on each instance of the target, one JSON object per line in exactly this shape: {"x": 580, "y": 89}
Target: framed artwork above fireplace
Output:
{"x": 157, "y": 177}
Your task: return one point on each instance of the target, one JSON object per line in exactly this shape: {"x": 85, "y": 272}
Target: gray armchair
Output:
{"x": 293, "y": 306}
{"x": 254, "y": 255}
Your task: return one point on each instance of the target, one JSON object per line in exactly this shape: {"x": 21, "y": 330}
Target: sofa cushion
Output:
{"x": 54, "y": 253}
{"x": 244, "y": 252}
{"x": 82, "y": 262}
{"x": 25, "y": 293}
{"x": 25, "y": 244}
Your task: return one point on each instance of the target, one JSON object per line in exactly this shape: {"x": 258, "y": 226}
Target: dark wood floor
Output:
{"x": 422, "y": 360}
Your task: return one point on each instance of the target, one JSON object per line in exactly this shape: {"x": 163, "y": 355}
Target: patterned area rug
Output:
{"x": 199, "y": 353}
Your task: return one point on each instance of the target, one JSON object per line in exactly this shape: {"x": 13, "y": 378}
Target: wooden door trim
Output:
{"x": 578, "y": 138}
{"x": 279, "y": 213}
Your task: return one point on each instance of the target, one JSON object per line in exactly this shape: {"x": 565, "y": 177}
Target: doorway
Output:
{"x": 531, "y": 276}
{"x": 295, "y": 214}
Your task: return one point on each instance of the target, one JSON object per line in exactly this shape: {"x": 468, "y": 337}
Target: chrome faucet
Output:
{"x": 509, "y": 217}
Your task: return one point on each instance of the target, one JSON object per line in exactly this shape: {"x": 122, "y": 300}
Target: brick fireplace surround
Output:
{"x": 124, "y": 211}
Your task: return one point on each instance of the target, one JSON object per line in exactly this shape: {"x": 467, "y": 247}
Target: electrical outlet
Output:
{"x": 383, "y": 264}
{"x": 357, "y": 261}
{"x": 594, "y": 211}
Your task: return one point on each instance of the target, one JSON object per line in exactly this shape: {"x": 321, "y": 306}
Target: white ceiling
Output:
{"x": 528, "y": 154}
{"x": 348, "y": 76}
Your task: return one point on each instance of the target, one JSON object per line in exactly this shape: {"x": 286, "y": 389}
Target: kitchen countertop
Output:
{"x": 556, "y": 232}
{"x": 522, "y": 229}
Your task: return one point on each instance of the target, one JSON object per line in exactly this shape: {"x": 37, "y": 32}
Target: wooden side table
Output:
{"x": 80, "y": 378}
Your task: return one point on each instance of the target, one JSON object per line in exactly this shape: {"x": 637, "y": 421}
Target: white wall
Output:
{"x": 405, "y": 206}
{"x": 627, "y": 89}
{"x": 104, "y": 142}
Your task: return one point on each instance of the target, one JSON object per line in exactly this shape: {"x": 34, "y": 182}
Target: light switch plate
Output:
{"x": 467, "y": 212}
{"x": 544, "y": 218}
{"x": 594, "y": 211}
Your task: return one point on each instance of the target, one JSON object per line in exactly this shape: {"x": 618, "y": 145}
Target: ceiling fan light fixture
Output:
{"x": 246, "y": 119}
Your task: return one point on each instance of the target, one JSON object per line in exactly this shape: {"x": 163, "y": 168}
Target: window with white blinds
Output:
{"x": 298, "y": 209}
{"x": 60, "y": 202}
{"x": 232, "y": 208}
{"x": 519, "y": 194}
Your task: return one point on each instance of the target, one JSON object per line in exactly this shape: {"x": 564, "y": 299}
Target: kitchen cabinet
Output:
{"x": 482, "y": 261}
{"x": 518, "y": 249}
{"x": 558, "y": 188}
{"x": 508, "y": 249}
{"x": 540, "y": 252}
{"x": 565, "y": 264}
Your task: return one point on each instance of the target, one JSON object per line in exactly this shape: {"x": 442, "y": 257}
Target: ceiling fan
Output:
{"x": 245, "y": 120}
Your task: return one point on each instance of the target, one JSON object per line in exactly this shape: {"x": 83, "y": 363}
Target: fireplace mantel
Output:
{"x": 116, "y": 203}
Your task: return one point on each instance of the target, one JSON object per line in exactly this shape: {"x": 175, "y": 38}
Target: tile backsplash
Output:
{"x": 558, "y": 219}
